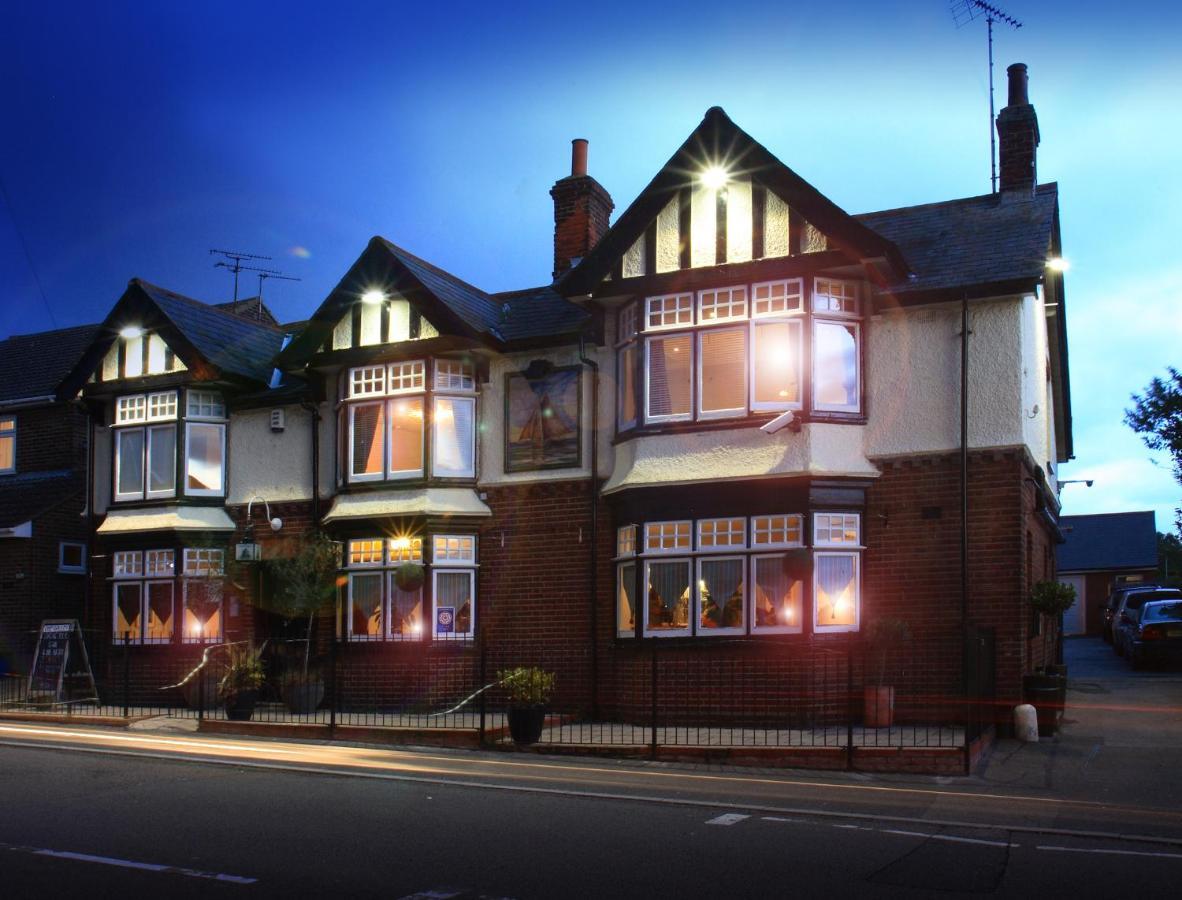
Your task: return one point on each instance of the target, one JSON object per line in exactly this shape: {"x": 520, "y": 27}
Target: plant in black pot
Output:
{"x": 1051, "y": 599}
{"x": 239, "y": 687}
{"x": 885, "y": 639}
{"x": 302, "y": 584}
{"x": 529, "y": 690}
{"x": 1047, "y": 690}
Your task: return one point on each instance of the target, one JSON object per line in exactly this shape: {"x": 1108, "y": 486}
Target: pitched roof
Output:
{"x": 1108, "y": 541}
{"x": 26, "y": 496}
{"x": 471, "y": 304}
{"x": 32, "y": 365}
{"x": 717, "y": 139}
{"x": 538, "y": 312}
{"x": 972, "y": 241}
{"x": 252, "y": 308}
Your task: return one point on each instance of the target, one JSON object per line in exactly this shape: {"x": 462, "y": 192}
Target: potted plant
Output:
{"x": 883, "y": 638}
{"x": 303, "y": 584}
{"x": 1047, "y": 690}
{"x": 529, "y": 690}
{"x": 239, "y": 687}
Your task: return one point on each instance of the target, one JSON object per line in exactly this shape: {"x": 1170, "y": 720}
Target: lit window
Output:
{"x": 142, "y": 597}
{"x": 406, "y": 437}
{"x": 204, "y": 562}
{"x": 775, "y": 365}
{"x": 625, "y": 603}
{"x": 626, "y": 541}
{"x": 776, "y": 599}
{"x": 776, "y": 531}
{"x": 127, "y": 564}
{"x": 203, "y": 610}
{"x": 836, "y": 385}
{"x": 666, "y": 611}
{"x": 668, "y": 374}
{"x": 367, "y": 381}
{"x": 722, "y": 384}
{"x": 366, "y": 552}
{"x": 667, "y": 537}
{"x": 205, "y": 405}
{"x": 722, "y": 304}
{"x": 835, "y": 297}
{"x": 405, "y": 549}
{"x": 627, "y": 387}
{"x": 452, "y": 375}
{"x": 453, "y": 548}
{"x": 159, "y": 563}
{"x": 836, "y": 529}
{"x": 71, "y": 557}
{"x": 205, "y": 459}
{"x": 453, "y": 445}
{"x": 387, "y": 604}
{"x": 836, "y": 592}
{"x": 775, "y": 298}
{"x": 670, "y": 311}
{"x": 720, "y": 534}
{"x": 721, "y": 595}
{"x": 7, "y": 445}
{"x": 407, "y": 377}
{"x": 367, "y": 451}
{"x": 366, "y": 619}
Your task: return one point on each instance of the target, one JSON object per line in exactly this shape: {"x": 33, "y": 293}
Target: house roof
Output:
{"x": 972, "y": 241}
{"x": 26, "y": 496}
{"x": 250, "y": 308}
{"x": 1108, "y": 541}
{"x": 538, "y": 312}
{"x": 32, "y": 365}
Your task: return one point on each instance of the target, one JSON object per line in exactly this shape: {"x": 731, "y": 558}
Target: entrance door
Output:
{"x": 1074, "y": 620}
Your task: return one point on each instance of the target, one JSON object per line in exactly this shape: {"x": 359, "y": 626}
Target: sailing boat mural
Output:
{"x": 542, "y": 420}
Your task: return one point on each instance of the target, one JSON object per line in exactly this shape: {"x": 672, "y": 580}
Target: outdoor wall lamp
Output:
{"x": 276, "y": 523}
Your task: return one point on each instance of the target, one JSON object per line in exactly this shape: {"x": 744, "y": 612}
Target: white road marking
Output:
{"x": 1110, "y": 852}
{"x": 727, "y": 819}
{"x": 128, "y": 863}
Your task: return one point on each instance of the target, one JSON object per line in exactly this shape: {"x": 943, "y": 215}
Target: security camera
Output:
{"x": 276, "y": 523}
{"x": 784, "y": 420}
{"x": 1088, "y": 482}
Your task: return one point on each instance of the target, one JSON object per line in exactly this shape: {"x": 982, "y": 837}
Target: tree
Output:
{"x": 1156, "y": 415}
{"x": 1169, "y": 559}
{"x": 305, "y": 582}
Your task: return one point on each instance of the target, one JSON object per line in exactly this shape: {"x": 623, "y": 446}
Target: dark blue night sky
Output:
{"x": 137, "y": 136}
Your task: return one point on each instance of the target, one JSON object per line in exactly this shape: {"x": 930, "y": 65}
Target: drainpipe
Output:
{"x": 88, "y": 587}
{"x": 314, "y": 411}
{"x": 593, "y": 564}
{"x": 964, "y": 488}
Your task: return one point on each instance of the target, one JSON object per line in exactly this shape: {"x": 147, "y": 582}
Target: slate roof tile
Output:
{"x": 1108, "y": 541}
{"x": 32, "y": 365}
{"x": 26, "y": 496}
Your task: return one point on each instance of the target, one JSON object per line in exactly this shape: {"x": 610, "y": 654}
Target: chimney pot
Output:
{"x": 578, "y": 157}
{"x": 1019, "y": 93}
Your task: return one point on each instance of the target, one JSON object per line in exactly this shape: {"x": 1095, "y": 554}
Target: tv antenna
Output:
{"x": 233, "y": 262}
{"x": 264, "y": 274}
{"x": 963, "y": 12}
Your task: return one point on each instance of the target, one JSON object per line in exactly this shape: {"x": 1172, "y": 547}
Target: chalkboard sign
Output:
{"x": 53, "y": 661}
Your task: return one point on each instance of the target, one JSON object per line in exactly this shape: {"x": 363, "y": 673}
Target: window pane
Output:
{"x": 454, "y": 548}
{"x": 73, "y": 556}
{"x": 203, "y": 610}
{"x": 627, "y": 383}
{"x": 625, "y": 606}
{"x": 367, "y": 438}
{"x": 453, "y": 375}
{"x": 365, "y": 606}
{"x": 724, "y": 303}
{"x": 127, "y": 563}
{"x": 724, "y": 371}
{"x": 714, "y": 534}
{"x": 159, "y": 562}
{"x": 776, "y": 595}
{"x": 626, "y": 540}
{"x": 836, "y": 366}
{"x": 162, "y": 459}
{"x": 159, "y": 612}
{"x": 203, "y": 457}
{"x": 206, "y": 405}
{"x": 776, "y": 297}
{"x": 130, "y": 454}
{"x": 836, "y": 589}
{"x": 406, "y": 436}
{"x": 667, "y": 537}
{"x": 7, "y": 451}
{"x": 776, "y": 368}
{"x": 453, "y": 603}
{"x": 720, "y": 593}
{"x": 199, "y": 561}
{"x": 453, "y": 437}
{"x": 668, "y": 595}
{"x": 406, "y": 612}
{"x": 133, "y": 357}
{"x": 366, "y": 552}
{"x": 669, "y": 369}
{"x": 127, "y": 611}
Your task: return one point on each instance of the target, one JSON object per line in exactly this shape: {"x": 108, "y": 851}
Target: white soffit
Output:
{"x": 421, "y": 502}
{"x": 176, "y": 518}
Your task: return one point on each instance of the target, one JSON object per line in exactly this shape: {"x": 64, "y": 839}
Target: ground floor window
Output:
{"x": 740, "y": 576}
{"x": 146, "y": 587}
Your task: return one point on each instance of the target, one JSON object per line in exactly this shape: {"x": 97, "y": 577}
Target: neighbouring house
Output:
{"x": 1099, "y": 552}
{"x": 738, "y": 423}
{"x": 43, "y": 464}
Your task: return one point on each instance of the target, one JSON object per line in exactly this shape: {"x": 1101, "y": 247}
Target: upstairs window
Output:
{"x": 7, "y": 445}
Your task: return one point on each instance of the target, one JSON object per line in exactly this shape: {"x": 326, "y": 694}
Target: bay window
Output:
{"x": 730, "y": 352}
{"x": 142, "y": 596}
{"x": 626, "y": 581}
{"x": 837, "y": 572}
{"x": 384, "y": 421}
{"x": 145, "y": 451}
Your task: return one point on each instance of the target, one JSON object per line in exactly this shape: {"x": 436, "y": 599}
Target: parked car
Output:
{"x": 1108, "y": 607}
{"x": 1157, "y": 635}
{"x": 1128, "y": 613}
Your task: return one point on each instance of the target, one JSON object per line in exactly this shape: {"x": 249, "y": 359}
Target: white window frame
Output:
{"x": 204, "y": 492}
{"x": 148, "y": 444}
{"x": 730, "y": 304}
{"x": 202, "y": 638}
{"x": 798, "y": 628}
{"x": 131, "y": 409}
{"x": 388, "y": 440}
{"x": 162, "y": 406}
{"x": 355, "y": 477}
{"x": 117, "y": 637}
{"x": 462, "y": 557}
{"x": 145, "y": 599}
{"x": 636, "y": 607}
{"x": 664, "y": 305}
{"x": 788, "y": 294}
{"x": 845, "y": 283}
{"x": 696, "y": 595}
{"x": 454, "y": 376}
{"x": 627, "y": 323}
{"x": 622, "y": 352}
{"x": 849, "y": 322}
{"x": 691, "y": 607}
{"x": 370, "y": 564}
{"x": 757, "y": 544}
{"x": 203, "y": 399}
{"x": 158, "y": 563}
{"x": 383, "y": 634}
{"x": 137, "y": 494}
{"x": 688, "y": 415}
{"x": 670, "y": 551}
{"x": 846, "y": 518}
{"x": 199, "y": 562}
{"x": 366, "y": 381}
{"x": 436, "y": 571}
{"x": 437, "y": 470}
{"x": 626, "y": 537}
{"x": 725, "y": 520}
{"x": 388, "y": 611}
{"x": 64, "y": 569}
{"x": 119, "y": 560}
{"x": 8, "y": 433}
{"x": 794, "y": 323}
{"x": 856, "y": 556}
{"x": 700, "y": 370}
{"x": 413, "y": 369}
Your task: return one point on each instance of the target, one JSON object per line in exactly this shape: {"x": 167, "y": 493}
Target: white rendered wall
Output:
{"x": 276, "y": 466}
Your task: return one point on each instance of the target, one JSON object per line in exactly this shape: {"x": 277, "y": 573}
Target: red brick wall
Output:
{"x": 581, "y": 211}
{"x": 50, "y": 438}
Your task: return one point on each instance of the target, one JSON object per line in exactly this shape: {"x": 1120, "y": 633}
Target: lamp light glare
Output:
{"x": 131, "y": 332}
{"x": 1057, "y": 264}
{"x": 715, "y": 178}
{"x": 373, "y": 297}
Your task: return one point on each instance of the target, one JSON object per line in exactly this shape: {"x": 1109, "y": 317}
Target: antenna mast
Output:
{"x": 264, "y": 274}
{"x": 233, "y": 262}
{"x": 964, "y": 11}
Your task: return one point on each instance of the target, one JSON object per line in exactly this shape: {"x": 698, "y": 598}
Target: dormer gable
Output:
{"x": 379, "y": 319}
{"x": 722, "y": 198}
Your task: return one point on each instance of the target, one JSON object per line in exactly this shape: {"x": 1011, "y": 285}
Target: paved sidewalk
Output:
{"x": 1121, "y": 739}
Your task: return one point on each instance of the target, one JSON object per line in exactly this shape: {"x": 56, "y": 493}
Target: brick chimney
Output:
{"x": 1017, "y": 139}
{"x": 581, "y": 211}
